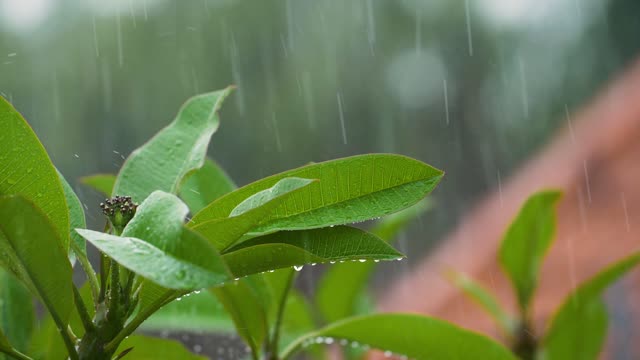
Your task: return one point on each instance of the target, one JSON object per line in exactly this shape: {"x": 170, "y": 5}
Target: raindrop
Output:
{"x": 362, "y": 260}
{"x": 344, "y": 131}
{"x": 298, "y": 267}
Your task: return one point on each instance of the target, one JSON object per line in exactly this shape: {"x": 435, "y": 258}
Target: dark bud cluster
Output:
{"x": 119, "y": 210}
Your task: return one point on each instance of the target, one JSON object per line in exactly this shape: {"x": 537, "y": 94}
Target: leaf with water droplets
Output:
{"x": 102, "y": 183}
{"x": 349, "y": 190}
{"x": 249, "y": 213}
{"x": 28, "y": 171}
{"x": 415, "y": 336}
{"x": 295, "y": 248}
{"x": 156, "y": 246}
{"x": 353, "y": 278}
{"x": 178, "y": 149}
{"x": 189, "y": 266}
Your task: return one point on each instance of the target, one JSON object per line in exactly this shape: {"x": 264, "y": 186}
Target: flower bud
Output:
{"x": 119, "y": 210}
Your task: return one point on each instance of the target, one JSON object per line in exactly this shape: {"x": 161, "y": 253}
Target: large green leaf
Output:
{"x": 205, "y": 185}
{"x": 487, "y": 302}
{"x": 31, "y": 250}
{"x": 26, "y": 170}
{"x": 350, "y": 190}
{"x": 352, "y": 278}
{"x": 526, "y": 242}
{"x": 102, "y": 183}
{"x": 76, "y": 217}
{"x": 149, "y": 348}
{"x": 251, "y": 212}
{"x": 244, "y": 305}
{"x": 297, "y": 248}
{"x": 177, "y": 150}
{"x": 192, "y": 264}
{"x": 155, "y": 245}
{"x": 579, "y": 328}
{"x": 417, "y": 337}
{"x": 17, "y": 317}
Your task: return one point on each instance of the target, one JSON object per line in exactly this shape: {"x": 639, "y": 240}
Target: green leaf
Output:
{"x": 149, "y": 348}
{"x": 33, "y": 253}
{"x": 486, "y": 301}
{"x": 26, "y": 170}
{"x": 205, "y": 185}
{"x": 296, "y": 248}
{"x": 526, "y": 242}
{"x": 245, "y": 307}
{"x": 350, "y": 190}
{"x": 177, "y": 150}
{"x": 579, "y": 327}
{"x": 352, "y": 278}
{"x": 414, "y": 336}
{"x": 249, "y": 213}
{"x": 199, "y": 312}
{"x": 102, "y": 183}
{"x": 155, "y": 245}
{"x": 76, "y": 218}
{"x": 192, "y": 264}
{"x": 17, "y": 317}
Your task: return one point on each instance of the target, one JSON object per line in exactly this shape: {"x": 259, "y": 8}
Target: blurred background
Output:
{"x": 472, "y": 87}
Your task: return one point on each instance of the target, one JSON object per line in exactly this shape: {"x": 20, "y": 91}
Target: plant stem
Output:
{"x": 114, "y": 292}
{"x": 142, "y": 316}
{"x": 17, "y": 355}
{"x": 82, "y": 310}
{"x": 86, "y": 266}
{"x": 280, "y": 314}
{"x": 68, "y": 343}
{"x": 105, "y": 262}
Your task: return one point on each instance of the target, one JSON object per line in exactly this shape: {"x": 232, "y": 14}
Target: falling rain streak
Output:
{"x": 344, "y": 131}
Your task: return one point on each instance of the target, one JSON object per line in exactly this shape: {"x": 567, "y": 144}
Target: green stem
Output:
{"x": 66, "y": 338}
{"x": 82, "y": 310}
{"x": 114, "y": 292}
{"x": 17, "y": 354}
{"x": 105, "y": 263}
{"x": 86, "y": 266}
{"x": 293, "y": 347}
{"x": 280, "y": 314}
{"x": 141, "y": 317}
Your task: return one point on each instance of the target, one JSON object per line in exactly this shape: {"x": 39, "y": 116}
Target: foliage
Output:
{"x": 236, "y": 259}
{"x": 579, "y": 327}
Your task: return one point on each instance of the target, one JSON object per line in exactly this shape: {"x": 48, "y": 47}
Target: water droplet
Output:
{"x": 298, "y": 267}
{"x": 362, "y": 260}
{"x": 180, "y": 274}
{"x": 376, "y": 260}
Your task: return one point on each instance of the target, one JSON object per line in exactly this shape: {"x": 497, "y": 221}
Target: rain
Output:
{"x": 507, "y": 97}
